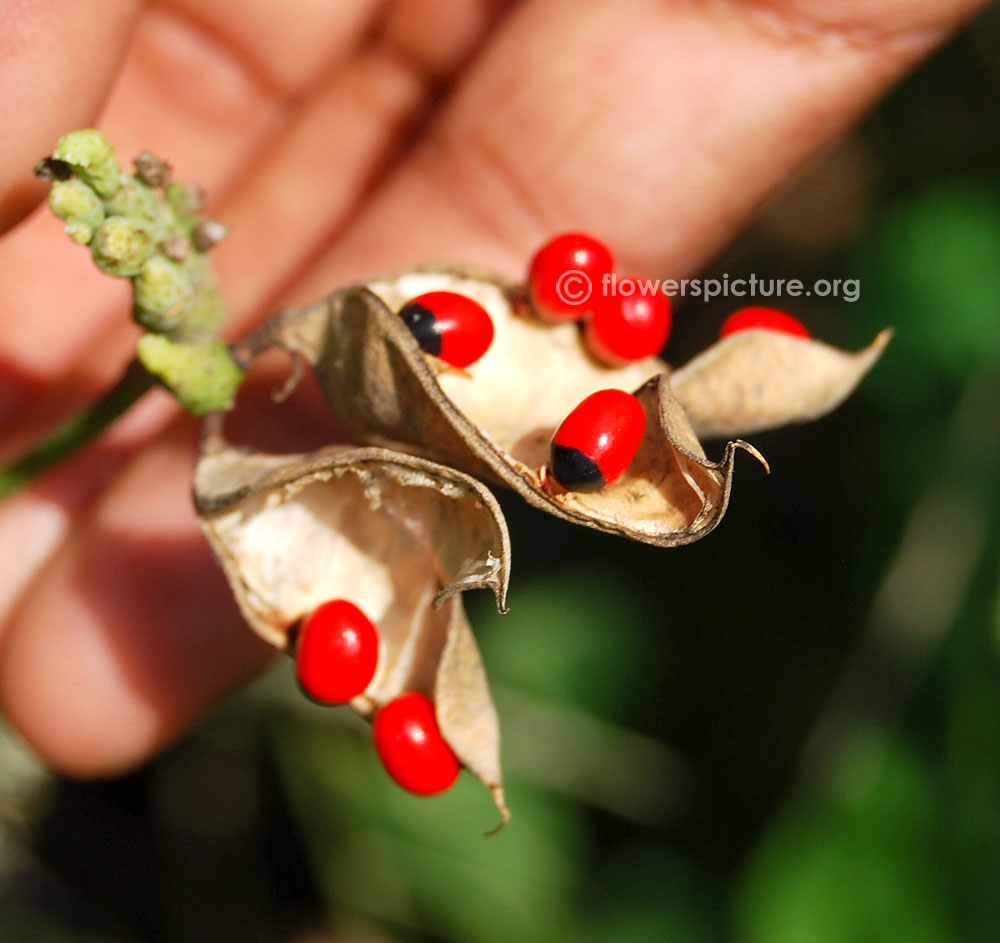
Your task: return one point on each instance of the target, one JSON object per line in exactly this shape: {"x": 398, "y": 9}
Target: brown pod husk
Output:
{"x": 754, "y": 380}
{"x": 397, "y": 535}
{"x": 495, "y": 419}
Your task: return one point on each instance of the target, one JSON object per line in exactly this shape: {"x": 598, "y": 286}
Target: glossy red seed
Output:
{"x": 336, "y": 652}
{"x": 567, "y": 276}
{"x": 449, "y": 325}
{"x": 409, "y": 744}
{"x": 761, "y": 318}
{"x": 597, "y": 441}
{"x": 625, "y": 328}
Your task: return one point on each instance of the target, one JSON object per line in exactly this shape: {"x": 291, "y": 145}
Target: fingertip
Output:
{"x": 130, "y": 633}
{"x": 59, "y": 62}
{"x": 96, "y": 692}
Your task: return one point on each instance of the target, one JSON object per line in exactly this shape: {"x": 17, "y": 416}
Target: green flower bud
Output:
{"x": 206, "y": 313}
{"x": 187, "y": 200}
{"x": 75, "y": 202}
{"x": 80, "y": 233}
{"x": 203, "y": 377}
{"x": 160, "y": 293}
{"x": 133, "y": 199}
{"x": 92, "y": 159}
{"x": 120, "y": 246}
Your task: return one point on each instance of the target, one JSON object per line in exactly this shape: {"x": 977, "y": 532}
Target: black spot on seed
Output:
{"x": 424, "y": 327}
{"x": 574, "y": 470}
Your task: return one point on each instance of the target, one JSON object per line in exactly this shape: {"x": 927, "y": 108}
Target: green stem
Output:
{"x": 78, "y": 430}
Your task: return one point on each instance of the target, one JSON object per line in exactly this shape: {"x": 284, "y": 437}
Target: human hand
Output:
{"x": 340, "y": 140}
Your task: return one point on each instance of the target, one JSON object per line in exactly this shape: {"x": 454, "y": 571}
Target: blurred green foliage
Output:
{"x": 936, "y": 260}
{"x": 787, "y": 733}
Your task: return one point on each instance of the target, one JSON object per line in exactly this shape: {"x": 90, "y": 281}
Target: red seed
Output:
{"x": 632, "y": 327}
{"x": 449, "y": 325}
{"x": 760, "y": 318}
{"x": 597, "y": 441}
{"x": 409, "y": 744}
{"x": 336, "y": 652}
{"x": 567, "y": 275}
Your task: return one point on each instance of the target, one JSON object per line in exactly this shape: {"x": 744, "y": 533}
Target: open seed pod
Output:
{"x": 495, "y": 418}
{"x": 755, "y": 379}
{"x": 397, "y": 535}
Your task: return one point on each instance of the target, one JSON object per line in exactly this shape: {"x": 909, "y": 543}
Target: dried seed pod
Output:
{"x": 152, "y": 170}
{"x": 494, "y": 420}
{"x": 399, "y": 536}
{"x": 208, "y": 233}
{"x": 755, "y": 380}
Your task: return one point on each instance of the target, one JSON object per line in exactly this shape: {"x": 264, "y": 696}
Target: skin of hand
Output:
{"x": 338, "y": 140}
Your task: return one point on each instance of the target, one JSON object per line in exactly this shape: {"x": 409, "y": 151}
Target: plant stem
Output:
{"x": 78, "y": 430}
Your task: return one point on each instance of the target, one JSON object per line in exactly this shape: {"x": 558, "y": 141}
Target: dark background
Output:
{"x": 789, "y": 731}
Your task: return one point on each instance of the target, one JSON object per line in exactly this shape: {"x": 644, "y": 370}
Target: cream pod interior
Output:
{"x": 531, "y": 377}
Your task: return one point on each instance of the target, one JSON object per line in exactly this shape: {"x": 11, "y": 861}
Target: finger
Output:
{"x": 661, "y": 127}
{"x": 131, "y": 632}
{"x": 35, "y": 522}
{"x": 56, "y": 65}
{"x": 308, "y": 187}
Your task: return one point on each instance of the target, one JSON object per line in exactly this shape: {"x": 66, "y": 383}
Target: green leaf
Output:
{"x": 855, "y": 865}
{"x": 575, "y": 636}
{"x": 934, "y": 274}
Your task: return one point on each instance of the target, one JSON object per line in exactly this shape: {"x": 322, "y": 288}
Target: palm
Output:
{"x": 338, "y": 140}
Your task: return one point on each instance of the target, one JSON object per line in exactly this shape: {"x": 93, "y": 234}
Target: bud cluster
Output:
{"x": 148, "y": 228}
